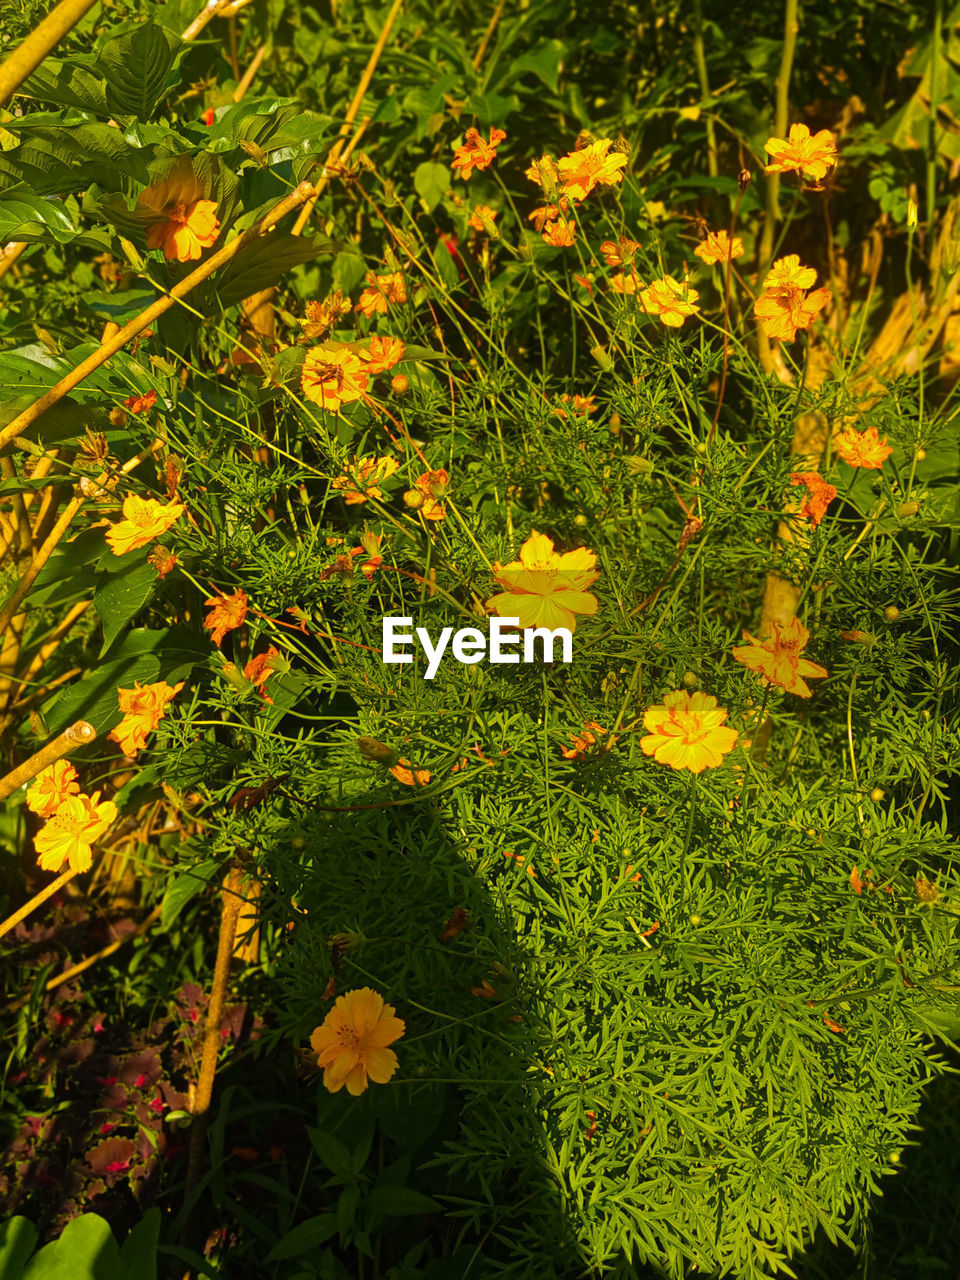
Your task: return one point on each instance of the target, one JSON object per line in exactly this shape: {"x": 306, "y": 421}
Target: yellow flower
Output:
{"x": 717, "y": 248}
{"x": 811, "y": 156}
{"x": 67, "y": 837}
{"x": 617, "y": 253}
{"x": 782, "y": 314}
{"x": 786, "y": 274}
{"x": 181, "y": 223}
{"x": 351, "y": 1045}
{"x": 51, "y": 787}
{"x": 143, "y": 520}
{"x": 144, "y": 706}
{"x": 365, "y": 479}
{"x": 591, "y": 166}
{"x": 545, "y": 589}
{"x": 776, "y": 659}
{"x": 321, "y": 316}
{"x": 687, "y": 732}
{"x": 433, "y": 485}
{"x": 544, "y": 173}
{"x": 381, "y": 292}
{"x": 670, "y": 300}
{"x": 332, "y": 376}
{"x": 623, "y": 284}
{"x": 862, "y": 448}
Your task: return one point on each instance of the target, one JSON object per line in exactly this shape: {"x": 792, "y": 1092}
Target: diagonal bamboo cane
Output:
{"x": 25, "y": 60}
{"x": 78, "y": 735}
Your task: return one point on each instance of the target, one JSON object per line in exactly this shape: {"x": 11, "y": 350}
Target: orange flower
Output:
{"x": 259, "y": 669}
{"x": 819, "y": 494}
{"x": 410, "y": 777}
{"x": 321, "y": 316}
{"x": 381, "y": 291}
{"x": 481, "y": 212}
{"x": 810, "y": 156}
{"x": 548, "y": 213}
{"x": 786, "y": 275}
{"x": 475, "y": 153}
{"x": 590, "y": 167}
{"x": 51, "y": 787}
{"x": 618, "y": 253}
{"x": 544, "y": 173}
{"x": 545, "y": 589}
{"x": 143, "y": 520}
{"x": 623, "y": 284}
{"x": 139, "y": 404}
{"x": 583, "y": 741}
{"x": 226, "y": 614}
{"x": 207, "y": 116}
{"x": 862, "y": 448}
{"x": 144, "y": 706}
{"x": 370, "y": 543}
{"x": 382, "y": 354}
{"x": 687, "y": 732}
{"x": 351, "y": 1044}
{"x": 333, "y": 375}
{"x": 777, "y": 660}
{"x": 582, "y": 406}
{"x": 181, "y": 223}
{"x": 782, "y": 314}
{"x": 365, "y": 480}
{"x": 670, "y": 300}
{"x": 78, "y": 824}
{"x": 561, "y": 233}
{"x": 486, "y": 990}
{"x": 717, "y": 248}
{"x": 433, "y": 485}
{"x": 163, "y": 560}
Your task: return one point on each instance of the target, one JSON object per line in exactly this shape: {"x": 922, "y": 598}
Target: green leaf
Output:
{"x": 119, "y": 306}
{"x": 331, "y": 1151}
{"x": 85, "y": 1251}
{"x": 68, "y": 84}
{"x": 184, "y": 887}
{"x": 263, "y": 262}
{"x": 543, "y": 60}
{"x": 432, "y": 182}
{"x": 31, "y": 218}
{"x": 136, "y": 67}
{"x": 120, "y": 596}
{"x": 63, "y": 421}
{"x": 58, "y": 160}
{"x": 138, "y": 1253}
{"x": 18, "y": 1238}
{"x": 400, "y": 1201}
{"x": 304, "y": 1238}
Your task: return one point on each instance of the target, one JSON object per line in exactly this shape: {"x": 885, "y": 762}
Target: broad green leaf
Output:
{"x": 28, "y": 217}
{"x": 85, "y": 1251}
{"x": 136, "y": 67}
{"x": 263, "y": 262}
{"x": 184, "y": 887}
{"x": 138, "y": 1253}
{"x": 432, "y": 182}
{"x": 68, "y": 84}
{"x": 543, "y": 60}
{"x": 304, "y": 1238}
{"x": 60, "y": 160}
{"x": 121, "y": 596}
{"x": 18, "y": 1237}
{"x": 65, "y": 420}
{"x": 120, "y": 306}
{"x": 400, "y": 1201}
{"x": 331, "y": 1151}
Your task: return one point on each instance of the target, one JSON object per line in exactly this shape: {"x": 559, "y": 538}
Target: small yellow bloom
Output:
{"x": 333, "y": 375}
{"x": 581, "y": 171}
{"x": 862, "y": 448}
{"x": 51, "y": 787}
{"x": 482, "y": 218}
{"x": 687, "y": 732}
{"x": 718, "y": 248}
{"x": 433, "y": 485}
{"x": 78, "y": 824}
{"x": 670, "y": 300}
{"x": 776, "y": 659}
{"x": 786, "y": 274}
{"x": 351, "y": 1045}
{"x": 812, "y": 156}
{"x": 782, "y": 314}
{"x": 143, "y": 520}
{"x": 545, "y": 589}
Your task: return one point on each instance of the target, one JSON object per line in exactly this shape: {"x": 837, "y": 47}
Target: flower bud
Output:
{"x": 695, "y": 920}
{"x": 400, "y": 384}
{"x": 743, "y": 180}
{"x": 912, "y": 213}
{"x": 691, "y": 679}
{"x": 877, "y": 794}
{"x": 581, "y": 521}
{"x": 859, "y": 637}
{"x": 891, "y": 613}
{"x": 921, "y": 454}
{"x": 374, "y": 749}
{"x": 298, "y": 843}
{"x": 616, "y": 425}
{"x": 907, "y": 509}
{"x": 118, "y": 417}
{"x": 413, "y": 499}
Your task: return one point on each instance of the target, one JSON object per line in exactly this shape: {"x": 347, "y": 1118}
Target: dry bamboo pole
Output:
{"x": 79, "y": 734}
{"x": 37, "y": 900}
{"x": 25, "y": 60}
{"x": 10, "y": 254}
{"x": 213, "y": 9}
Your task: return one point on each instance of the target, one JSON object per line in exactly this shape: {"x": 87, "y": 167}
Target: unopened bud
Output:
{"x": 877, "y": 794}
{"x": 858, "y": 637}
{"x": 921, "y": 454}
{"x": 400, "y": 384}
{"x": 602, "y": 358}
{"x": 580, "y": 520}
{"x": 891, "y": 613}
{"x": 118, "y": 417}
{"x": 907, "y": 509}
{"x": 374, "y": 749}
{"x": 616, "y": 426}
{"x": 743, "y": 180}
{"x": 695, "y": 920}
{"x": 413, "y": 499}
{"x": 691, "y": 679}
{"x": 911, "y": 214}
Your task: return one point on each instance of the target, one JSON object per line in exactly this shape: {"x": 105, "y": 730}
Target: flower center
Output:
{"x": 349, "y": 1038}
{"x": 179, "y": 215}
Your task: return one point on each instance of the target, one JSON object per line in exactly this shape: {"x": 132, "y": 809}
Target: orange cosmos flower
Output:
{"x": 786, "y": 275}
{"x": 548, "y": 213}
{"x": 143, "y": 520}
{"x": 718, "y": 248}
{"x": 543, "y": 172}
{"x": 561, "y": 233}
{"x": 163, "y": 560}
{"x": 51, "y": 787}
{"x": 481, "y": 212}
{"x": 687, "y": 732}
{"x": 590, "y": 167}
{"x": 475, "y": 153}
{"x": 812, "y": 156}
{"x": 582, "y": 742}
{"x": 321, "y": 316}
{"x": 381, "y": 291}
{"x": 670, "y": 300}
{"x": 818, "y": 497}
{"x": 144, "y": 706}
{"x": 777, "y": 660}
{"x": 207, "y": 116}
{"x": 862, "y": 448}
{"x": 582, "y": 406}
{"x": 139, "y": 404}
{"x": 370, "y": 543}
{"x": 782, "y": 314}
{"x": 382, "y": 354}
{"x": 181, "y": 223}
{"x": 433, "y": 485}
{"x": 623, "y": 284}
{"x": 351, "y": 1044}
{"x": 365, "y": 479}
{"x": 78, "y": 824}
{"x": 259, "y": 669}
{"x": 618, "y": 253}
{"x": 226, "y": 614}
{"x": 332, "y": 376}
{"x": 408, "y": 776}
{"x": 545, "y": 589}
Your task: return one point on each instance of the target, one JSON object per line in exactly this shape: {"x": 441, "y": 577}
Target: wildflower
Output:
{"x": 51, "y": 787}
{"x": 486, "y": 990}
{"x": 718, "y": 248}
{"x": 581, "y": 171}
{"x": 818, "y": 497}
{"x": 181, "y": 224}
{"x": 381, "y": 292}
{"x": 433, "y": 485}
{"x": 163, "y": 560}
{"x": 410, "y": 777}
{"x": 777, "y": 658}
{"x": 207, "y": 116}
{"x": 140, "y": 404}
{"x": 370, "y": 543}
{"x": 456, "y": 924}
{"x": 622, "y": 284}
{"x": 321, "y": 316}
{"x": 547, "y": 213}
{"x": 583, "y": 741}
{"x": 781, "y": 314}
{"x": 545, "y": 589}
{"x": 143, "y": 520}
{"x": 332, "y": 376}
{"x": 927, "y": 891}
{"x": 226, "y": 614}
{"x": 481, "y": 217}
{"x": 382, "y": 354}
{"x": 618, "y": 253}
{"x": 364, "y": 483}
{"x": 670, "y": 300}
{"x": 786, "y": 274}
{"x": 143, "y": 707}
{"x": 259, "y": 669}
{"x": 811, "y": 155}
{"x": 862, "y": 448}
{"x": 68, "y": 836}
{"x": 561, "y": 234}
{"x": 544, "y": 173}
{"x": 582, "y": 406}
{"x": 351, "y": 1044}
{"x": 475, "y": 153}
{"x": 687, "y": 732}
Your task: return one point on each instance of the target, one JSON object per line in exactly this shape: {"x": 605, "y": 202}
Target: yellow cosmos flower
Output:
{"x": 143, "y": 520}
{"x": 782, "y": 314}
{"x": 381, "y": 293}
{"x": 351, "y": 1044}
{"x": 78, "y": 824}
{"x": 333, "y": 375}
{"x": 581, "y": 171}
{"x": 776, "y": 659}
{"x": 862, "y": 448}
{"x": 364, "y": 479}
{"x": 687, "y": 732}
{"x": 545, "y": 589}
{"x": 143, "y": 707}
{"x": 670, "y": 300}
{"x": 382, "y": 354}
{"x": 51, "y": 787}
{"x": 718, "y": 248}
{"x": 787, "y": 274}
{"x": 812, "y": 156}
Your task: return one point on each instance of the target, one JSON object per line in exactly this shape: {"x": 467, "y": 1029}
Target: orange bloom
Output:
{"x": 561, "y": 233}
{"x": 163, "y": 560}
{"x": 582, "y": 406}
{"x": 717, "y": 248}
{"x": 381, "y": 291}
{"x": 259, "y": 669}
{"x": 382, "y": 354}
{"x": 582, "y": 742}
{"x": 370, "y": 543}
{"x": 786, "y": 274}
{"x": 78, "y": 824}
{"x": 590, "y": 167}
{"x": 433, "y": 485}
{"x": 782, "y": 314}
{"x": 810, "y": 156}
{"x": 548, "y": 213}
{"x": 618, "y": 253}
{"x": 408, "y": 776}
{"x": 670, "y": 300}
{"x": 687, "y": 732}
{"x": 181, "y": 223}
{"x": 351, "y": 1044}
{"x": 818, "y": 497}
{"x": 51, "y": 787}
{"x": 226, "y": 614}
{"x": 545, "y": 589}
{"x": 862, "y": 448}
{"x": 333, "y": 375}
{"x": 475, "y": 153}
{"x": 777, "y": 660}
{"x": 481, "y": 212}
{"x": 365, "y": 480}
{"x": 543, "y": 172}
{"x": 207, "y": 116}
{"x": 143, "y": 520}
{"x": 623, "y": 284}
{"x": 321, "y": 316}
{"x": 139, "y": 404}
{"x": 144, "y": 706}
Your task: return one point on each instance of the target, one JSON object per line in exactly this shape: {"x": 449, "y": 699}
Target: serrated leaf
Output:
{"x": 58, "y": 160}
{"x": 68, "y": 85}
{"x": 31, "y": 218}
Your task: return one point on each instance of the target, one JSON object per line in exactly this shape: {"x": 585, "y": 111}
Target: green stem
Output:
{"x": 791, "y": 25}
{"x": 701, "y": 60}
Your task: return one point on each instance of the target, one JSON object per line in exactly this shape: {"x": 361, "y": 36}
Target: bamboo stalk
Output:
{"x": 37, "y": 900}
{"x": 213, "y": 9}
{"x": 25, "y": 60}
{"x": 10, "y": 254}
{"x": 488, "y": 35}
{"x": 78, "y": 735}
{"x": 240, "y": 91}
